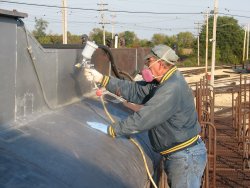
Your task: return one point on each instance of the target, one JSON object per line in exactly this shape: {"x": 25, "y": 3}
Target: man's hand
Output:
{"x": 93, "y": 75}
{"x": 98, "y": 126}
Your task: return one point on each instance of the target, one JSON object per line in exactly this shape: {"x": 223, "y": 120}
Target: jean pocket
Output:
{"x": 176, "y": 164}
{"x": 199, "y": 161}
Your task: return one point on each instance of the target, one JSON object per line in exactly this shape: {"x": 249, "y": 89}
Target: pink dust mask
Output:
{"x": 147, "y": 74}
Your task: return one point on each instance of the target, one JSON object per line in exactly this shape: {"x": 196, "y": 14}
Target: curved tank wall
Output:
{"x": 45, "y": 140}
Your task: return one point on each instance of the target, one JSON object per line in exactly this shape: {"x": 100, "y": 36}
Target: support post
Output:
{"x": 214, "y": 42}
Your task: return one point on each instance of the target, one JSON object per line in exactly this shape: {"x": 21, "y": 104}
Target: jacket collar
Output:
{"x": 169, "y": 73}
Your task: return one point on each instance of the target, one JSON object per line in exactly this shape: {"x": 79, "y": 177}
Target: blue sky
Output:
{"x": 144, "y": 25}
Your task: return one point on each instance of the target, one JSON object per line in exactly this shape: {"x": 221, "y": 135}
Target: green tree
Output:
{"x": 229, "y": 40}
{"x": 40, "y": 27}
{"x": 74, "y": 39}
{"x": 171, "y": 40}
{"x": 145, "y": 43}
{"x": 55, "y": 39}
{"x": 130, "y": 38}
{"x": 44, "y": 40}
{"x": 185, "y": 40}
{"x": 158, "y": 38}
{"x": 97, "y": 35}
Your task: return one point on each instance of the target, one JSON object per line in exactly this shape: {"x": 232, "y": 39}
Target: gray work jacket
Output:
{"x": 168, "y": 112}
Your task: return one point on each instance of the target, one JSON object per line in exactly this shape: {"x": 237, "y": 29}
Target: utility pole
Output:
{"x": 206, "y": 60}
{"x": 64, "y": 21}
{"x": 244, "y": 47}
{"x": 113, "y": 16}
{"x": 116, "y": 40}
{"x": 102, "y": 22}
{"x": 247, "y": 41}
{"x": 214, "y": 42}
{"x": 198, "y": 43}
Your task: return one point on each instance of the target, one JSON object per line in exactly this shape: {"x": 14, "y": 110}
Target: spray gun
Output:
{"x": 87, "y": 53}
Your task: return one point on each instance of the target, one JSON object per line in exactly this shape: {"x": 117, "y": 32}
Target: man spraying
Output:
{"x": 168, "y": 114}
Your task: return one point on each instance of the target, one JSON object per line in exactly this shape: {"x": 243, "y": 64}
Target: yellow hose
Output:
{"x": 133, "y": 141}
{"x": 144, "y": 160}
{"x": 106, "y": 111}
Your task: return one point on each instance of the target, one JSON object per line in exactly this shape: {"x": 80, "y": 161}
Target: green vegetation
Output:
{"x": 229, "y": 41}
{"x": 40, "y": 28}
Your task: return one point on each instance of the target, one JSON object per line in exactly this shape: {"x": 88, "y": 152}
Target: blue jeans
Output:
{"x": 185, "y": 168}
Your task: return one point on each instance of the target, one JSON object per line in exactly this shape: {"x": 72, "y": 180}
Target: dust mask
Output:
{"x": 147, "y": 73}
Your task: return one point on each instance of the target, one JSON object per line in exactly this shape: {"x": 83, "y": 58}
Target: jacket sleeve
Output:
{"x": 135, "y": 92}
{"x": 155, "y": 112}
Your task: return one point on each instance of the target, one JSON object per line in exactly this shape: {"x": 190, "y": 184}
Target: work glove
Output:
{"x": 111, "y": 131}
{"x": 102, "y": 128}
{"x": 98, "y": 126}
{"x": 93, "y": 75}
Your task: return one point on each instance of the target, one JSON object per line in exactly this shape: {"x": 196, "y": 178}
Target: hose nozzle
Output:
{"x": 78, "y": 65}
{"x": 87, "y": 53}
{"x": 85, "y": 64}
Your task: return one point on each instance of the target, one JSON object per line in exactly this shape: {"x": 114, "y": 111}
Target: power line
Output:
{"x": 235, "y": 10}
{"x": 48, "y": 6}
{"x": 132, "y": 25}
{"x": 107, "y": 10}
{"x": 128, "y": 13}
{"x": 149, "y": 12}
{"x": 119, "y": 11}
{"x": 159, "y": 4}
{"x": 103, "y": 21}
{"x": 234, "y": 15}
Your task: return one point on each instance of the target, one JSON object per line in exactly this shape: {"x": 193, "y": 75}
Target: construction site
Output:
{"x": 47, "y": 106}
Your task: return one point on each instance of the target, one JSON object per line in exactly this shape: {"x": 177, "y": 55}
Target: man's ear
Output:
{"x": 162, "y": 64}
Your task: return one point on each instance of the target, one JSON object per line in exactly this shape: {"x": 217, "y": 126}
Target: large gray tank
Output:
{"x": 45, "y": 140}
